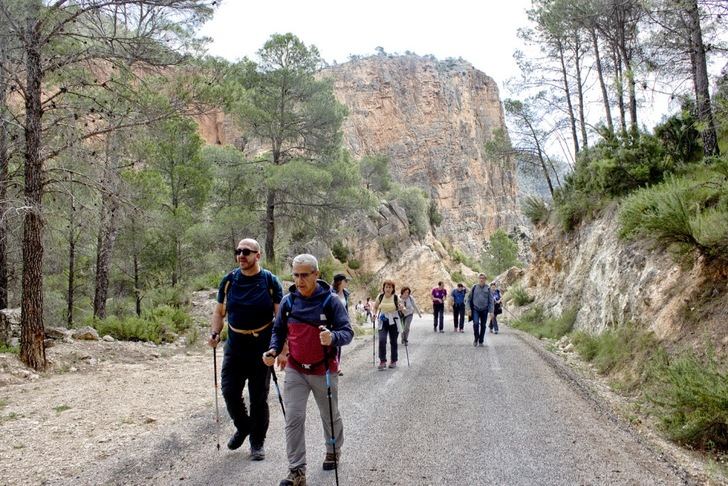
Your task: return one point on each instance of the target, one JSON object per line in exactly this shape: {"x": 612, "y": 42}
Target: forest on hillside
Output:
{"x": 113, "y": 208}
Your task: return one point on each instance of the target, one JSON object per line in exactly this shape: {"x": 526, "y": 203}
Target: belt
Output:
{"x": 254, "y": 332}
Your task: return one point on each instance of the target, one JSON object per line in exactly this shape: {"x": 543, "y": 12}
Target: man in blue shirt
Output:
{"x": 458, "y": 307}
{"x": 249, "y": 296}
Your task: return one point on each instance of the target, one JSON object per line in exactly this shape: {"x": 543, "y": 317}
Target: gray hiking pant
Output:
{"x": 297, "y": 387}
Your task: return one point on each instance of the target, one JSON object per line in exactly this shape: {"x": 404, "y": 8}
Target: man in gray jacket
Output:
{"x": 480, "y": 305}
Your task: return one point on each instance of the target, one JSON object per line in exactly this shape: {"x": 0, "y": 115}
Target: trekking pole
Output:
{"x": 217, "y": 407}
{"x": 406, "y": 352}
{"x": 278, "y": 390}
{"x": 374, "y": 354}
{"x": 331, "y": 412}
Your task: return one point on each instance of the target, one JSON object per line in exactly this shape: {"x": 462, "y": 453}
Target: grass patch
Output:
{"x": 6, "y": 348}
{"x": 61, "y": 408}
{"x": 535, "y": 209}
{"x": 537, "y": 322}
{"x": 692, "y": 401}
{"x": 518, "y": 295}
{"x": 624, "y": 352}
{"x": 686, "y": 212}
{"x": 3, "y": 403}
{"x": 159, "y": 325}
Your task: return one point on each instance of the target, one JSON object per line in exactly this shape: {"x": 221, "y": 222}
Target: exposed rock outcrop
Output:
{"x": 612, "y": 282}
{"x": 432, "y": 118}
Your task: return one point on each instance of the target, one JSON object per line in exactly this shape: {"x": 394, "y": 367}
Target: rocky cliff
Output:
{"x": 612, "y": 282}
{"x": 432, "y": 119}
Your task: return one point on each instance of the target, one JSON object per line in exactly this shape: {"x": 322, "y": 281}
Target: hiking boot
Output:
{"x": 257, "y": 453}
{"x": 475, "y": 342}
{"x": 236, "y": 440}
{"x": 481, "y": 344}
{"x": 341, "y": 373}
{"x": 382, "y": 365}
{"x": 393, "y": 364}
{"x": 296, "y": 477}
{"x": 331, "y": 460}
{"x": 442, "y": 331}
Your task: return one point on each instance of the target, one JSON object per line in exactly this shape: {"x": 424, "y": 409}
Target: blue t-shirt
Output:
{"x": 250, "y": 300}
{"x": 458, "y": 296}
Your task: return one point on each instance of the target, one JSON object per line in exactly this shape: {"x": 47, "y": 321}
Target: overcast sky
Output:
{"x": 483, "y": 33}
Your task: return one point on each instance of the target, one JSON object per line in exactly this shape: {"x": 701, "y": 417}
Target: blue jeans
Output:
{"x": 438, "y": 311}
{"x": 480, "y": 322}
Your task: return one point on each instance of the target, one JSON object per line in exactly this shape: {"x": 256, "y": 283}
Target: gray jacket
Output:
{"x": 480, "y": 299}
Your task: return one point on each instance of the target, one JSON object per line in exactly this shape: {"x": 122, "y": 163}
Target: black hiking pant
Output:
{"x": 243, "y": 363}
{"x": 458, "y": 316}
{"x": 438, "y": 311}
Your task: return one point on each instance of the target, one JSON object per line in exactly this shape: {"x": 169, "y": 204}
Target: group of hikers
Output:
{"x": 304, "y": 332}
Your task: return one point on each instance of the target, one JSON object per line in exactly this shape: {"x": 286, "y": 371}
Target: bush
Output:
{"x": 536, "y": 322}
{"x": 206, "y": 281}
{"x": 340, "y": 251}
{"x": 415, "y": 203}
{"x": 433, "y": 214}
{"x": 171, "y": 296}
{"x": 354, "y": 264}
{"x": 535, "y": 209}
{"x": 689, "y": 211}
{"x": 518, "y": 295}
{"x": 457, "y": 277}
{"x": 6, "y": 348}
{"x": 161, "y": 324}
{"x": 626, "y": 349}
{"x": 691, "y": 402}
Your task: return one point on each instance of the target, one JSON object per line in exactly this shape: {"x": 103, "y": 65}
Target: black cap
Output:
{"x": 339, "y": 277}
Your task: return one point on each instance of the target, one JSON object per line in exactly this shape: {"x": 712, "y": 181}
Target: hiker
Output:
{"x": 387, "y": 308}
{"x": 339, "y": 289}
{"x": 368, "y": 310}
{"x": 249, "y": 296}
{"x": 313, "y": 322}
{"x": 410, "y": 306}
{"x": 439, "y": 294}
{"x": 497, "y": 306}
{"x": 458, "y": 307}
{"x": 480, "y": 305}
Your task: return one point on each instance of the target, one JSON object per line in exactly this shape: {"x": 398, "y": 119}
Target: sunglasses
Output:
{"x": 244, "y": 251}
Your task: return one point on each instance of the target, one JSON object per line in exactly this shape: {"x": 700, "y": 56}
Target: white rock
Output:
{"x": 86, "y": 333}
{"x": 108, "y": 339}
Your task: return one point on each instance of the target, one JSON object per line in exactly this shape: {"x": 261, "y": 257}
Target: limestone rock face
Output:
{"x": 612, "y": 282}
{"x": 432, "y": 118}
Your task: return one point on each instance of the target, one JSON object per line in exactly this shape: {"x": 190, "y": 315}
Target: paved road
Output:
{"x": 458, "y": 416}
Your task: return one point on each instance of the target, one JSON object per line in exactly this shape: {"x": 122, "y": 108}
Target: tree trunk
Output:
{"x": 701, "y": 81}
{"x": 32, "y": 349}
{"x": 580, "y": 91}
{"x": 602, "y": 84}
{"x": 270, "y": 228}
{"x": 619, "y": 79}
{"x": 4, "y": 175}
{"x": 71, "y": 261}
{"x": 137, "y": 290}
{"x": 104, "y": 250}
{"x": 572, "y": 118}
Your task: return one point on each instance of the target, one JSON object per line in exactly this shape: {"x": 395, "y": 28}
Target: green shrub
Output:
{"x": 433, "y": 214}
{"x": 172, "y": 296}
{"x": 535, "y": 209}
{"x": 457, "y": 277}
{"x": 518, "y": 295}
{"x": 6, "y": 348}
{"x": 536, "y": 322}
{"x": 687, "y": 212}
{"x": 692, "y": 402}
{"x": 354, "y": 264}
{"x": 161, "y": 324}
{"x": 415, "y": 203}
{"x": 340, "y": 251}
{"x": 460, "y": 257}
{"x": 210, "y": 280}
{"x": 327, "y": 268}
